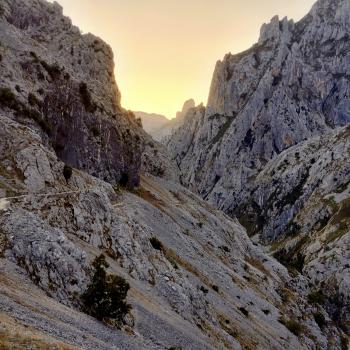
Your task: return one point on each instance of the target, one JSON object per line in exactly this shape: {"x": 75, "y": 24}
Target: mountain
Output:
{"x": 271, "y": 146}
{"x": 151, "y": 122}
{"x": 159, "y": 128}
{"x": 80, "y": 178}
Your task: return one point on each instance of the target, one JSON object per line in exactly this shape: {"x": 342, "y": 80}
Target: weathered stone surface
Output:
{"x": 209, "y": 287}
{"x": 61, "y": 83}
{"x": 292, "y": 85}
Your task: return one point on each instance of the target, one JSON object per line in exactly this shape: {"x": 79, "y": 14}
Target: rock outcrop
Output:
{"x": 61, "y": 83}
{"x": 270, "y": 149}
{"x": 207, "y": 287}
{"x": 292, "y": 85}
{"x": 197, "y": 280}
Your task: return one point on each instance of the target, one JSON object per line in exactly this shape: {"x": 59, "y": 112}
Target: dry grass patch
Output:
{"x": 16, "y": 336}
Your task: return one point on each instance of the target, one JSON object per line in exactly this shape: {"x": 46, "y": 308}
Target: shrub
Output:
{"x": 320, "y": 319}
{"x": 8, "y": 99}
{"x": 204, "y": 290}
{"x": 156, "y": 243}
{"x": 215, "y": 288}
{"x": 105, "y": 296}
{"x": 244, "y": 311}
{"x": 344, "y": 343}
{"x": 33, "y": 100}
{"x": 293, "y": 326}
{"x": 124, "y": 180}
{"x": 316, "y": 297}
{"x": 67, "y": 172}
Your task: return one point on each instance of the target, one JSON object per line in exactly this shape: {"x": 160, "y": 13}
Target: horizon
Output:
{"x": 158, "y": 73}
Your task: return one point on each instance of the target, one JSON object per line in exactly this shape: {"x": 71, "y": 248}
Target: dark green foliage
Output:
{"x": 344, "y": 343}
{"x": 293, "y": 326}
{"x": 53, "y": 70}
{"x": 67, "y": 172}
{"x": 204, "y": 290}
{"x": 105, "y": 297}
{"x": 33, "y": 100}
{"x": 320, "y": 319}
{"x": 124, "y": 180}
{"x": 8, "y": 98}
{"x": 156, "y": 243}
{"x": 316, "y": 297}
{"x": 86, "y": 99}
{"x": 293, "y": 258}
{"x": 222, "y": 131}
{"x": 215, "y": 288}
{"x": 173, "y": 262}
{"x": 244, "y": 311}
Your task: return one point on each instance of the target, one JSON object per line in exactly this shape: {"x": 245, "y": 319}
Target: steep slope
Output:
{"x": 61, "y": 83}
{"x": 280, "y": 163}
{"x": 209, "y": 287}
{"x": 292, "y": 85}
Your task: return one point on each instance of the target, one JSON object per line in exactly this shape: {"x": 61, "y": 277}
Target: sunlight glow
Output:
{"x": 166, "y": 50}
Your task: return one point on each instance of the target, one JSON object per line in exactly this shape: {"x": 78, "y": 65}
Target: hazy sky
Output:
{"x": 166, "y": 50}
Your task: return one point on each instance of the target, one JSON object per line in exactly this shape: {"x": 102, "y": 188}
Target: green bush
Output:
{"x": 293, "y": 326}
{"x": 156, "y": 243}
{"x": 67, "y": 172}
{"x": 316, "y": 297}
{"x": 105, "y": 296}
{"x": 33, "y": 100}
{"x": 244, "y": 311}
{"x": 215, "y": 288}
{"x": 8, "y": 99}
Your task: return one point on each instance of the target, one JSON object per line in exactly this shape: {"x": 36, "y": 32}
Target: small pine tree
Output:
{"x": 105, "y": 297}
{"x": 67, "y": 172}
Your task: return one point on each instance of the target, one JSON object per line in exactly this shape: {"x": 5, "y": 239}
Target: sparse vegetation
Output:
{"x": 293, "y": 326}
{"x": 244, "y": 311}
{"x": 33, "y": 100}
{"x": 67, "y": 172}
{"x": 320, "y": 319}
{"x": 156, "y": 243}
{"x": 215, "y": 288}
{"x": 124, "y": 180}
{"x": 8, "y": 99}
{"x": 316, "y": 297}
{"x": 105, "y": 297}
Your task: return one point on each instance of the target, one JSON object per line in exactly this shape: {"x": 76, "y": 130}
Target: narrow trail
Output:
{"x": 6, "y": 201}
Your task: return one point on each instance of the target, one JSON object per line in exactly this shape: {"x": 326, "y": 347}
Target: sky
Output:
{"x": 166, "y": 50}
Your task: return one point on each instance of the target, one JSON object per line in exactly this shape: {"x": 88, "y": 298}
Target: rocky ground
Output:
{"x": 205, "y": 284}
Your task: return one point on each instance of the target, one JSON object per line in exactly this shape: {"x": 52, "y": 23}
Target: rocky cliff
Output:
{"x": 270, "y": 149}
{"x": 292, "y": 85}
{"x": 207, "y": 286}
{"x": 61, "y": 83}
{"x": 197, "y": 280}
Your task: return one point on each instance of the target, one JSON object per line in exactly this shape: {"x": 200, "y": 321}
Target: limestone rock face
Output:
{"x": 209, "y": 287}
{"x": 60, "y": 82}
{"x": 292, "y": 85}
{"x": 272, "y": 147}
